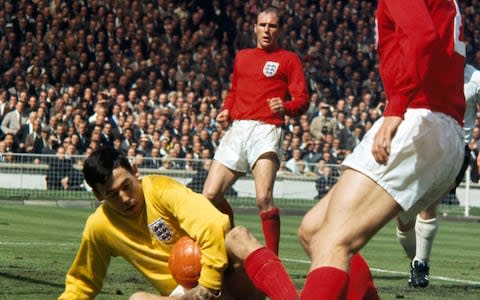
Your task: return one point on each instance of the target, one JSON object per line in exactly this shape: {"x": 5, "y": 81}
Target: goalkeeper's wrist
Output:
{"x": 215, "y": 293}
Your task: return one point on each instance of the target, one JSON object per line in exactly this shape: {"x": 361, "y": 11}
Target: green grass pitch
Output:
{"x": 37, "y": 245}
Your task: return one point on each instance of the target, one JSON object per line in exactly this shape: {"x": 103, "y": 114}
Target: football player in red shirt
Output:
{"x": 408, "y": 159}
{"x": 267, "y": 83}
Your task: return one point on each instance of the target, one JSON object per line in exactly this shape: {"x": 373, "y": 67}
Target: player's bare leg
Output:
{"x": 248, "y": 257}
{"x": 406, "y": 236}
{"x": 264, "y": 173}
{"x": 361, "y": 283}
{"x": 148, "y": 296}
{"x": 355, "y": 210}
{"x": 416, "y": 238}
{"x": 307, "y": 228}
{"x": 219, "y": 181}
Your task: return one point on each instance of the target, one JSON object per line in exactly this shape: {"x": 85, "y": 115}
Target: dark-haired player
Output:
{"x": 140, "y": 221}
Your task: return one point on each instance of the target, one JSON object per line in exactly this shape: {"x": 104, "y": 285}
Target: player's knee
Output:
{"x": 264, "y": 201}
{"x": 328, "y": 240}
{"x": 239, "y": 242}
{"x": 139, "y": 296}
{"x": 303, "y": 237}
{"x": 238, "y": 234}
{"x": 306, "y": 231}
{"x": 210, "y": 194}
{"x": 405, "y": 226}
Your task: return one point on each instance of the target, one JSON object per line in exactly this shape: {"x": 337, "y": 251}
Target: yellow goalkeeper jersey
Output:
{"x": 171, "y": 211}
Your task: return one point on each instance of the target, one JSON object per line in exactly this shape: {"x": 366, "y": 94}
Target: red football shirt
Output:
{"x": 421, "y": 50}
{"x": 259, "y": 75}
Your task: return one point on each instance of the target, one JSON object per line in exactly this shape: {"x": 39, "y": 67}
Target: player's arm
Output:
{"x": 416, "y": 45}
{"x": 224, "y": 116}
{"x": 85, "y": 277}
{"x": 297, "y": 88}
{"x": 200, "y": 292}
{"x": 206, "y": 225}
{"x": 471, "y": 96}
{"x": 232, "y": 93}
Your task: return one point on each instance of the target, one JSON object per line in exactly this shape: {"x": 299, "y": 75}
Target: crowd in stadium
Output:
{"x": 150, "y": 77}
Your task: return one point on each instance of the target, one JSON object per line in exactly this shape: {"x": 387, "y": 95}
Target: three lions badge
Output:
{"x": 161, "y": 230}
{"x": 270, "y": 68}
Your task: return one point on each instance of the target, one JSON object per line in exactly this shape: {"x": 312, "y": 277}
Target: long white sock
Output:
{"x": 426, "y": 231}
{"x": 407, "y": 240}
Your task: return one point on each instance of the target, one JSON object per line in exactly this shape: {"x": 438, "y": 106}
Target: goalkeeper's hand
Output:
{"x": 201, "y": 293}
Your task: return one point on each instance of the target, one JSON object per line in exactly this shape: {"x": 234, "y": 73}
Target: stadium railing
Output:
{"x": 57, "y": 180}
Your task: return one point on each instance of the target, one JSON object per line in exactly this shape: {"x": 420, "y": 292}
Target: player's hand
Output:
{"x": 383, "y": 139}
{"x": 224, "y": 117}
{"x": 201, "y": 293}
{"x": 276, "y": 105}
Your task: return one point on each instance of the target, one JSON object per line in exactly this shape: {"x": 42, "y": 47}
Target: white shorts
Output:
{"x": 245, "y": 141}
{"x": 426, "y": 155}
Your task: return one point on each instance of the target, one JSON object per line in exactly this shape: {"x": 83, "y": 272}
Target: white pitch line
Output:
{"x": 284, "y": 259}
{"x": 470, "y": 282}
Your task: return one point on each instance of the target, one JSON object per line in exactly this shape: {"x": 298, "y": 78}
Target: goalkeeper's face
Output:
{"x": 123, "y": 192}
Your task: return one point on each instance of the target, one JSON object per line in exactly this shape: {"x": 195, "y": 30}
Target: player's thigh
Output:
{"x": 313, "y": 220}
{"x": 356, "y": 210}
{"x": 264, "y": 173}
{"x": 403, "y": 225}
{"x": 240, "y": 243}
{"x": 219, "y": 180}
{"x": 265, "y": 170}
{"x": 149, "y": 296}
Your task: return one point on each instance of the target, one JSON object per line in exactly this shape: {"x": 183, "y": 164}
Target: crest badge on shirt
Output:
{"x": 270, "y": 68}
{"x": 161, "y": 230}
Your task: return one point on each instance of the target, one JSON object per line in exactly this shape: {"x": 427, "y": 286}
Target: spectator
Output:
{"x": 52, "y": 144}
{"x": 3, "y": 152}
{"x": 325, "y": 180}
{"x": 312, "y": 153}
{"x": 323, "y": 123}
{"x": 296, "y": 164}
{"x": 33, "y": 138}
{"x": 59, "y": 171}
{"x": 153, "y": 162}
{"x": 13, "y": 121}
{"x": 26, "y": 128}
{"x": 166, "y": 164}
{"x": 145, "y": 145}
{"x": 339, "y": 58}
{"x": 198, "y": 179}
{"x": 11, "y": 145}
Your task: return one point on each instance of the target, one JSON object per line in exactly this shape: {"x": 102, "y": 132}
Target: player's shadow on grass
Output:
{"x": 60, "y": 286}
{"x": 30, "y": 280}
{"x": 459, "y": 286}
{"x": 390, "y": 277}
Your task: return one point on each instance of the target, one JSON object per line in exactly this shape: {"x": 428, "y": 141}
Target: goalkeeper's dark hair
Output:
{"x": 99, "y": 166}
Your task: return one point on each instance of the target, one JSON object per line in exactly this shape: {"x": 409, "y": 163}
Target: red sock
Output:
{"x": 271, "y": 228}
{"x": 361, "y": 282}
{"x": 325, "y": 283}
{"x": 268, "y": 274}
{"x": 226, "y": 208}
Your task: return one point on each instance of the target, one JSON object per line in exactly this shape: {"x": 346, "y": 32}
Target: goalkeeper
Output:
{"x": 140, "y": 220}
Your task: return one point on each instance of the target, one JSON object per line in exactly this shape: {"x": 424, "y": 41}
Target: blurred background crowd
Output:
{"x": 150, "y": 77}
